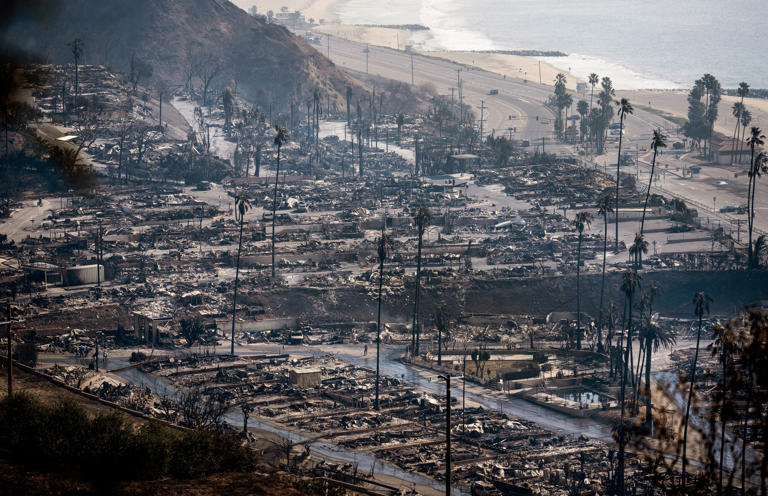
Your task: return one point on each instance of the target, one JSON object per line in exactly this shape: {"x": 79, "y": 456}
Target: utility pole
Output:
{"x": 447, "y": 379}
{"x": 412, "y": 80}
{"x": 482, "y": 118}
{"x": 382, "y": 256}
{"x": 367, "y": 51}
{"x": 542, "y": 145}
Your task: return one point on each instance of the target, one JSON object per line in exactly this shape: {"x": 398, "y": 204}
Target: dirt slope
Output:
{"x": 268, "y": 62}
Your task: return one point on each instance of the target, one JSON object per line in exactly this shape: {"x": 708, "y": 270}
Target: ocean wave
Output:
{"x": 624, "y": 78}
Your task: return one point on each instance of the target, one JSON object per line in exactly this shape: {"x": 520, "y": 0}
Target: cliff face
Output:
{"x": 176, "y": 37}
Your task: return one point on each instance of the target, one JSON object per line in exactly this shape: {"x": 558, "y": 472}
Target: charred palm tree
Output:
{"x": 701, "y": 303}
{"x": 242, "y": 205}
{"x": 280, "y": 139}
{"x": 629, "y": 286}
{"x": 625, "y": 108}
{"x": 385, "y": 246}
{"x": 604, "y": 207}
{"x": 423, "y": 219}
{"x": 656, "y": 142}
{"x": 582, "y": 221}
{"x": 655, "y": 338}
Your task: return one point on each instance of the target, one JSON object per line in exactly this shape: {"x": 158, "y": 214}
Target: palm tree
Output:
{"x": 701, "y": 302}
{"x": 593, "y": 80}
{"x": 605, "y": 206}
{"x": 725, "y": 344}
{"x": 630, "y": 283}
{"x": 385, "y": 246}
{"x": 280, "y": 138}
{"x": 422, "y": 219}
{"x": 756, "y": 139}
{"x": 738, "y": 108}
{"x": 582, "y": 107}
{"x": 583, "y": 220}
{"x": 242, "y": 205}
{"x": 736, "y": 111}
{"x": 624, "y": 108}
{"x": 638, "y": 248}
{"x": 746, "y": 120}
{"x": 655, "y": 338}
{"x": 656, "y": 142}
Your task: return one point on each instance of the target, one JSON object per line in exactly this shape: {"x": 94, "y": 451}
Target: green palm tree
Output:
{"x": 736, "y": 111}
{"x": 638, "y": 248}
{"x": 701, "y": 302}
{"x": 604, "y": 207}
{"x": 738, "y": 108}
{"x": 656, "y": 142}
{"x": 756, "y": 139}
{"x": 593, "y": 80}
{"x": 746, "y": 120}
{"x": 625, "y": 108}
{"x": 423, "y": 219}
{"x": 280, "y": 139}
{"x": 630, "y": 284}
{"x": 655, "y": 338}
{"x": 385, "y": 247}
{"x": 582, "y": 107}
{"x": 242, "y": 205}
{"x": 582, "y": 221}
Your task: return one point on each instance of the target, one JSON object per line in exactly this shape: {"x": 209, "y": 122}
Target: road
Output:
{"x": 520, "y": 103}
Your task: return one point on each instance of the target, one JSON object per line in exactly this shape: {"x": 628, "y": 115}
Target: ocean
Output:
{"x": 640, "y": 44}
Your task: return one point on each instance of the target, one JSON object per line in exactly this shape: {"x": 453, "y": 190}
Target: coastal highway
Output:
{"x": 516, "y": 106}
{"x": 519, "y": 104}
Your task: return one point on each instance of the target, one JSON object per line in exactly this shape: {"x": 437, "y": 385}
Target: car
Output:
{"x": 616, "y": 132}
{"x": 729, "y": 209}
{"x": 493, "y": 92}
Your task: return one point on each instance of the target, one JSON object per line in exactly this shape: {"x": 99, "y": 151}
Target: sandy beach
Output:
{"x": 672, "y": 102}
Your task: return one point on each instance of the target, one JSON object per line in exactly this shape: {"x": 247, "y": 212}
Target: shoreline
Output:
{"x": 512, "y": 63}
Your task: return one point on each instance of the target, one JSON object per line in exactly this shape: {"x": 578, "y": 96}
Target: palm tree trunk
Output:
{"x": 688, "y": 403}
{"x": 378, "y": 329}
{"x": 602, "y": 284}
{"x": 648, "y": 193}
{"x": 618, "y": 164}
{"x": 750, "y": 214}
{"x": 648, "y": 401}
{"x": 735, "y": 135}
{"x": 722, "y": 420}
{"x": 619, "y": 483}
{"x": 237, "y": 280}
{"x": 416, "y": 323}
{"x": 274, "y": 212}
{"x": 578, "y": 295}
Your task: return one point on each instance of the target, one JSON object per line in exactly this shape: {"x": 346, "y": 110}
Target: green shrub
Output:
{"x": 107, "y": 448}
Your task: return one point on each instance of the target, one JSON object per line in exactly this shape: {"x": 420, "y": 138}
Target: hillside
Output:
{"x": 182, "y": 40}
